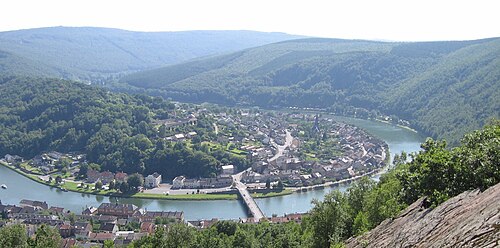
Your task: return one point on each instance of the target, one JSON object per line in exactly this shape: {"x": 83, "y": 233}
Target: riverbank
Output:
{"x": 397, "y": 125}
{"x": 19, "y": 187}
{"x": 74, "y": 187}
{"x": 335, "y": 183}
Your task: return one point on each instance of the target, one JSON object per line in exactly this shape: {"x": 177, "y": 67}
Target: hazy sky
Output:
{"x": 369, "y": 19}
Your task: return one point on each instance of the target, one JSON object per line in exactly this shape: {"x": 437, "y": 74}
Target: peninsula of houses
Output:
{"x": 283, "y": 150}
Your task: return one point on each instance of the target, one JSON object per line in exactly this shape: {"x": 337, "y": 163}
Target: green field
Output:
{"x": 272, "y": 194}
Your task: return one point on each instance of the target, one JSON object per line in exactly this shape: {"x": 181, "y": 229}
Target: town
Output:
{"x": 119, "y": 223}
{"x": 283, "y": 152}
{"x": 291, "y": 150}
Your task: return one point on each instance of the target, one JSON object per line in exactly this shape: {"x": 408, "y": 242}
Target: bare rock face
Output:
{"x": 471, "y": 219}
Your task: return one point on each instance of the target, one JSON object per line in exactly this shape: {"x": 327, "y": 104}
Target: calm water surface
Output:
{"x": 19, "y": 187}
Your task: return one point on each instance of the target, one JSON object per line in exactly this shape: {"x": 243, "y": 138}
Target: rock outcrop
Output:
{"x": 471, "y": 219}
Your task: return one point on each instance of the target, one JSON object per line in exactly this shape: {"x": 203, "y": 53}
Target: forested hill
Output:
{"x": 115, "y": 131}
{"x": 443, "y": 88}
{"x": 11, "y": 64}
{"x": 91, "y": 53}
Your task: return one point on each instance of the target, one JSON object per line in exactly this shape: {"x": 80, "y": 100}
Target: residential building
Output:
{"x": 150, "y": 216}
{"x": 109, "y": 228}
{"x": 228, "y": 169}
{"x": 107, "y": 177}
{"x": 121, "y": 177}
{"x": 65, "y": 230}
{"x": 117, "y": 209}
{"x": 81, "y": 229}
{"x": 89, "y": 211}
{"x": 35, "y": 204}
{"x": 178, "y": 182}
{"x": 152, "y": 181}
{"x": 191, "y": 183}
{"x": 12, "y": 158}
{"x": 93, "y": 175}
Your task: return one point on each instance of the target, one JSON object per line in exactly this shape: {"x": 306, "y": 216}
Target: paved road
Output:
{"x": 281, "y": 149}
{"x": 167, "y": 188}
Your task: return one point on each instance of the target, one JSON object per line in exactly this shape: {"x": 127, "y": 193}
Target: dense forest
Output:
{"x": 437, "y": 173}
{"x": 115, "y": 131}
{"x": 443, "y": 88}
{"x": 100, "y": 54}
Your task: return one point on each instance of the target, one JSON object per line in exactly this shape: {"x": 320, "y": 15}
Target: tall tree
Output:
{"x": 46, "y": 237}
{"x": 13, "y": 236}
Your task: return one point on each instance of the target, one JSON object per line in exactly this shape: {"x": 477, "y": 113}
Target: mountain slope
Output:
{"x": 443, "y": 88}
{"x": 464, "y": 84}
{"x": 11, "y": 64}
{"x": 471, "y": 219}
{"x": 87, "y": 51}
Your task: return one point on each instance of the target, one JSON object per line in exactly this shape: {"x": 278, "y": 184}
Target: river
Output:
{"x": 19, "y": 187}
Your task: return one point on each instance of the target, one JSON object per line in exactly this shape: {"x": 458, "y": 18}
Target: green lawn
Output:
{"x": 272, "y": 194}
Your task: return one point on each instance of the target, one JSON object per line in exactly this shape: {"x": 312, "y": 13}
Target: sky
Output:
{"x": 399, "y": 20}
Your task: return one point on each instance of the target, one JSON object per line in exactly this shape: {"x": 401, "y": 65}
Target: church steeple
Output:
{"x": 315, "y": 128}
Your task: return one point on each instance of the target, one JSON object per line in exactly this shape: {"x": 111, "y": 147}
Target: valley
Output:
{"x": 398, "y": 140}
{"x": 115, "y": 138}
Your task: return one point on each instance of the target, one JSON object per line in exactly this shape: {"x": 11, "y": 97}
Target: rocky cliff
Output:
{"x": 471, "y": 219}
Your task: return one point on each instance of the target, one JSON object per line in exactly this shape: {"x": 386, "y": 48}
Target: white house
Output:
{"x": 178, "y": 182}
{"x": 179, "y": 136}
{"x": 152, "y": 181}
{"x": 228, "y": 169}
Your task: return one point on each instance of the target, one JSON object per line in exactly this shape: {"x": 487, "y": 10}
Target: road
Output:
{"x": 164, "y": 188}
{"x": 281, "y": 149}
{"x": 253, "y": 208}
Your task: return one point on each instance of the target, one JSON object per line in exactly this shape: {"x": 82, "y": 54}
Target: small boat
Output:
{"x": 3, "y": 186}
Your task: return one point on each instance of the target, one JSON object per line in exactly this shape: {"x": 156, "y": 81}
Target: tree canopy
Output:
{"x": 115, "y": 131}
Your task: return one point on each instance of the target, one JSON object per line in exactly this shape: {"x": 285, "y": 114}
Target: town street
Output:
{"x": 281, "y": 149}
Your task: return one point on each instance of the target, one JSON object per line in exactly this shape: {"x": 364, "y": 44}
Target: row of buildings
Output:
{"x": 150, "y": 181}
{"x": 221, "y": 181}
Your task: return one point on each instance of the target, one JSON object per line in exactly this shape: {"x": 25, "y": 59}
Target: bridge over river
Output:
{"x": 253, "y": 208}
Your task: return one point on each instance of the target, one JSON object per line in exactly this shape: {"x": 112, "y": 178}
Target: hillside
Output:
{"x": 443, "y": 88}
{"x": 11, "y": 64}
{"x": 471, "y": 219}
{"x": 89, "y": 53}
{"x": 114, "y": 131}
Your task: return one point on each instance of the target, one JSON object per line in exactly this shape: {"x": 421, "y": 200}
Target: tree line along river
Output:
{"x": 399, "y": 139}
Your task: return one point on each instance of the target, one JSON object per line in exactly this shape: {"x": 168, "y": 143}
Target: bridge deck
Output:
{"x": 253, "y": 208}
